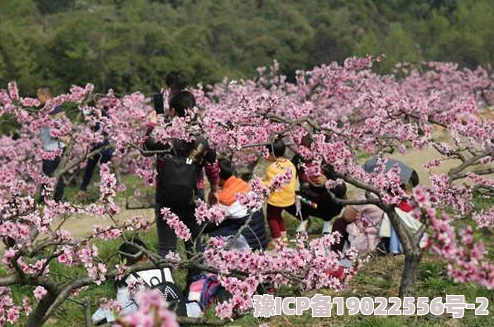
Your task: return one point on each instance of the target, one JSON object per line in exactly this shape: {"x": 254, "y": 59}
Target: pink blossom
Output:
{"x": 176, "y": 224}
{"x": 13, "y": 314}
{"x": 152, "y": 312}
{"x": 39, "y": 292}
{"x": 13, "y": 91}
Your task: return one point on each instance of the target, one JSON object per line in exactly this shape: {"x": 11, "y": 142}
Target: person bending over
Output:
{"x": 237, "y": 214}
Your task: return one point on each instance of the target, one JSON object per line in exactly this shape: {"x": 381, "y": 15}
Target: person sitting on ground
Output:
{"x": 237, "y": 214}
{"x": 284, "y": 197}
{"x": 131, "y": 253}
{"x": 360, "y": 225}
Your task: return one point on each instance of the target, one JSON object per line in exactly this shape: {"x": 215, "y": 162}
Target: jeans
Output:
{"x": 394, "y": 242}
{"x": 104, "y": 156}
{"x": 49, "y": 167}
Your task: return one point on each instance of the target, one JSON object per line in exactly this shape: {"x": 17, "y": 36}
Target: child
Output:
{"x": 285, "y": 196}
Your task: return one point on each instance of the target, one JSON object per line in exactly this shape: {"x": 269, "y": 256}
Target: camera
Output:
{"x": 158, "y": 103}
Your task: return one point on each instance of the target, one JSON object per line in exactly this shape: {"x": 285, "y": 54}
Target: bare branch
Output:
{"x": 486, "y": 171}
{"x": 469, "y": 162}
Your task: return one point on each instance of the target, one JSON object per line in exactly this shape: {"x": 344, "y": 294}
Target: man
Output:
{"x": 50, "y": 143}
{"x": 102, "y": 157}
{"x": 178, "y": 168}
{"x": 177, "y": 83}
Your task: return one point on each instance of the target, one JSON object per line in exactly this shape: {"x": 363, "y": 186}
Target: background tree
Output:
{"x": 130, "y": 45}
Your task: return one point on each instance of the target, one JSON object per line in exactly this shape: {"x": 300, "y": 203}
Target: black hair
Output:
{"x": 176, "y": 82}
{"x": 414, "y": 178}
{"x": 277, "y": 148}
{"x": 226, "y": 169}
{"x": 182, "y": 101}
{"x": 130, "y": 252}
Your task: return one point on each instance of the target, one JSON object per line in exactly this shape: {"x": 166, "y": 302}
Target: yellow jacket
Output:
{"x": 285, "y": 196}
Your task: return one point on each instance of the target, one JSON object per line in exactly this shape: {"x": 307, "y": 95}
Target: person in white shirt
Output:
{"x": 50, "y": 143}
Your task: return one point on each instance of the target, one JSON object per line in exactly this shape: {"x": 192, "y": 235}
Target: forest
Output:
{"x": 130, "y": 45}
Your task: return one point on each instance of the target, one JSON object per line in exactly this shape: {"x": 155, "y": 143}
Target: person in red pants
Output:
{"x": 284, "y": 197}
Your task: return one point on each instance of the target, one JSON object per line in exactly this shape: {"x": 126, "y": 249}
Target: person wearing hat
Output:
{"x": 50, "y": 143}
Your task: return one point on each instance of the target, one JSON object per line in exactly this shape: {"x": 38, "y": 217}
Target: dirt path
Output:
{"x": 82, "y": 225}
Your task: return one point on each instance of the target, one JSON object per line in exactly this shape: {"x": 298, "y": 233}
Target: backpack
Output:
{"x": 169, "y": 291}
{"x": 177, "y": 179}
{"x": 204, "y": 289}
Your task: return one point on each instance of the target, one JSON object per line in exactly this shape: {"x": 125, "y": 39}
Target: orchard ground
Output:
{"x": 380, "y": 277}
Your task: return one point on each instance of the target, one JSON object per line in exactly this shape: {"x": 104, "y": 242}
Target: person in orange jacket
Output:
{"x": 237, "y": 214}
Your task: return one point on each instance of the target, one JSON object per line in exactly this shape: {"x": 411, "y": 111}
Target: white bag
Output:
{"x": 413, "y": 224}
{"x": 385, "y": 228}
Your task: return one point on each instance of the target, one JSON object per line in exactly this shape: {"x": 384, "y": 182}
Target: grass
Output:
{"x": 132, "y": 182}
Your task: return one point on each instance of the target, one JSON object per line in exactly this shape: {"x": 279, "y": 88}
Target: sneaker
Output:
{"x": 310, "y": 228}
{"x": 326, "y": 228}
{"x": 272, "y": 245}
{"x": 276, "y": 242}
{"x": 303, "y": 226}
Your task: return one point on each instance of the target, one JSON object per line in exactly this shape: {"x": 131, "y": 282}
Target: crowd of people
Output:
{"x": 180, "y": 182}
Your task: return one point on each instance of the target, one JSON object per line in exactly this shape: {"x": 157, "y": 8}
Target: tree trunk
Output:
{"x": 87, "y": 314}
{"x": 413, "y": 253}
{"x": 36, "y": 318}
{"x": 410, "y": 272}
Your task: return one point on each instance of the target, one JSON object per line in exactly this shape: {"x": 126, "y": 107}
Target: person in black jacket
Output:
{"x": 178, "y": 168}
{"x": 312, "y": 188}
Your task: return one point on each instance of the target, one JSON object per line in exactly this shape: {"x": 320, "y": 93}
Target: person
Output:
{"x": 312, "y": 188}
{"x": 51, "y": 144}
{"x": 177, "y": 83}
{"x": 284, "y": 197}
{"x": 176, "y": 191}
{"x": 237, "y": 214}
{"x": 102, "y": 157}
{"x": 360, "y": 225}
{"x": 133, "y": 252}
